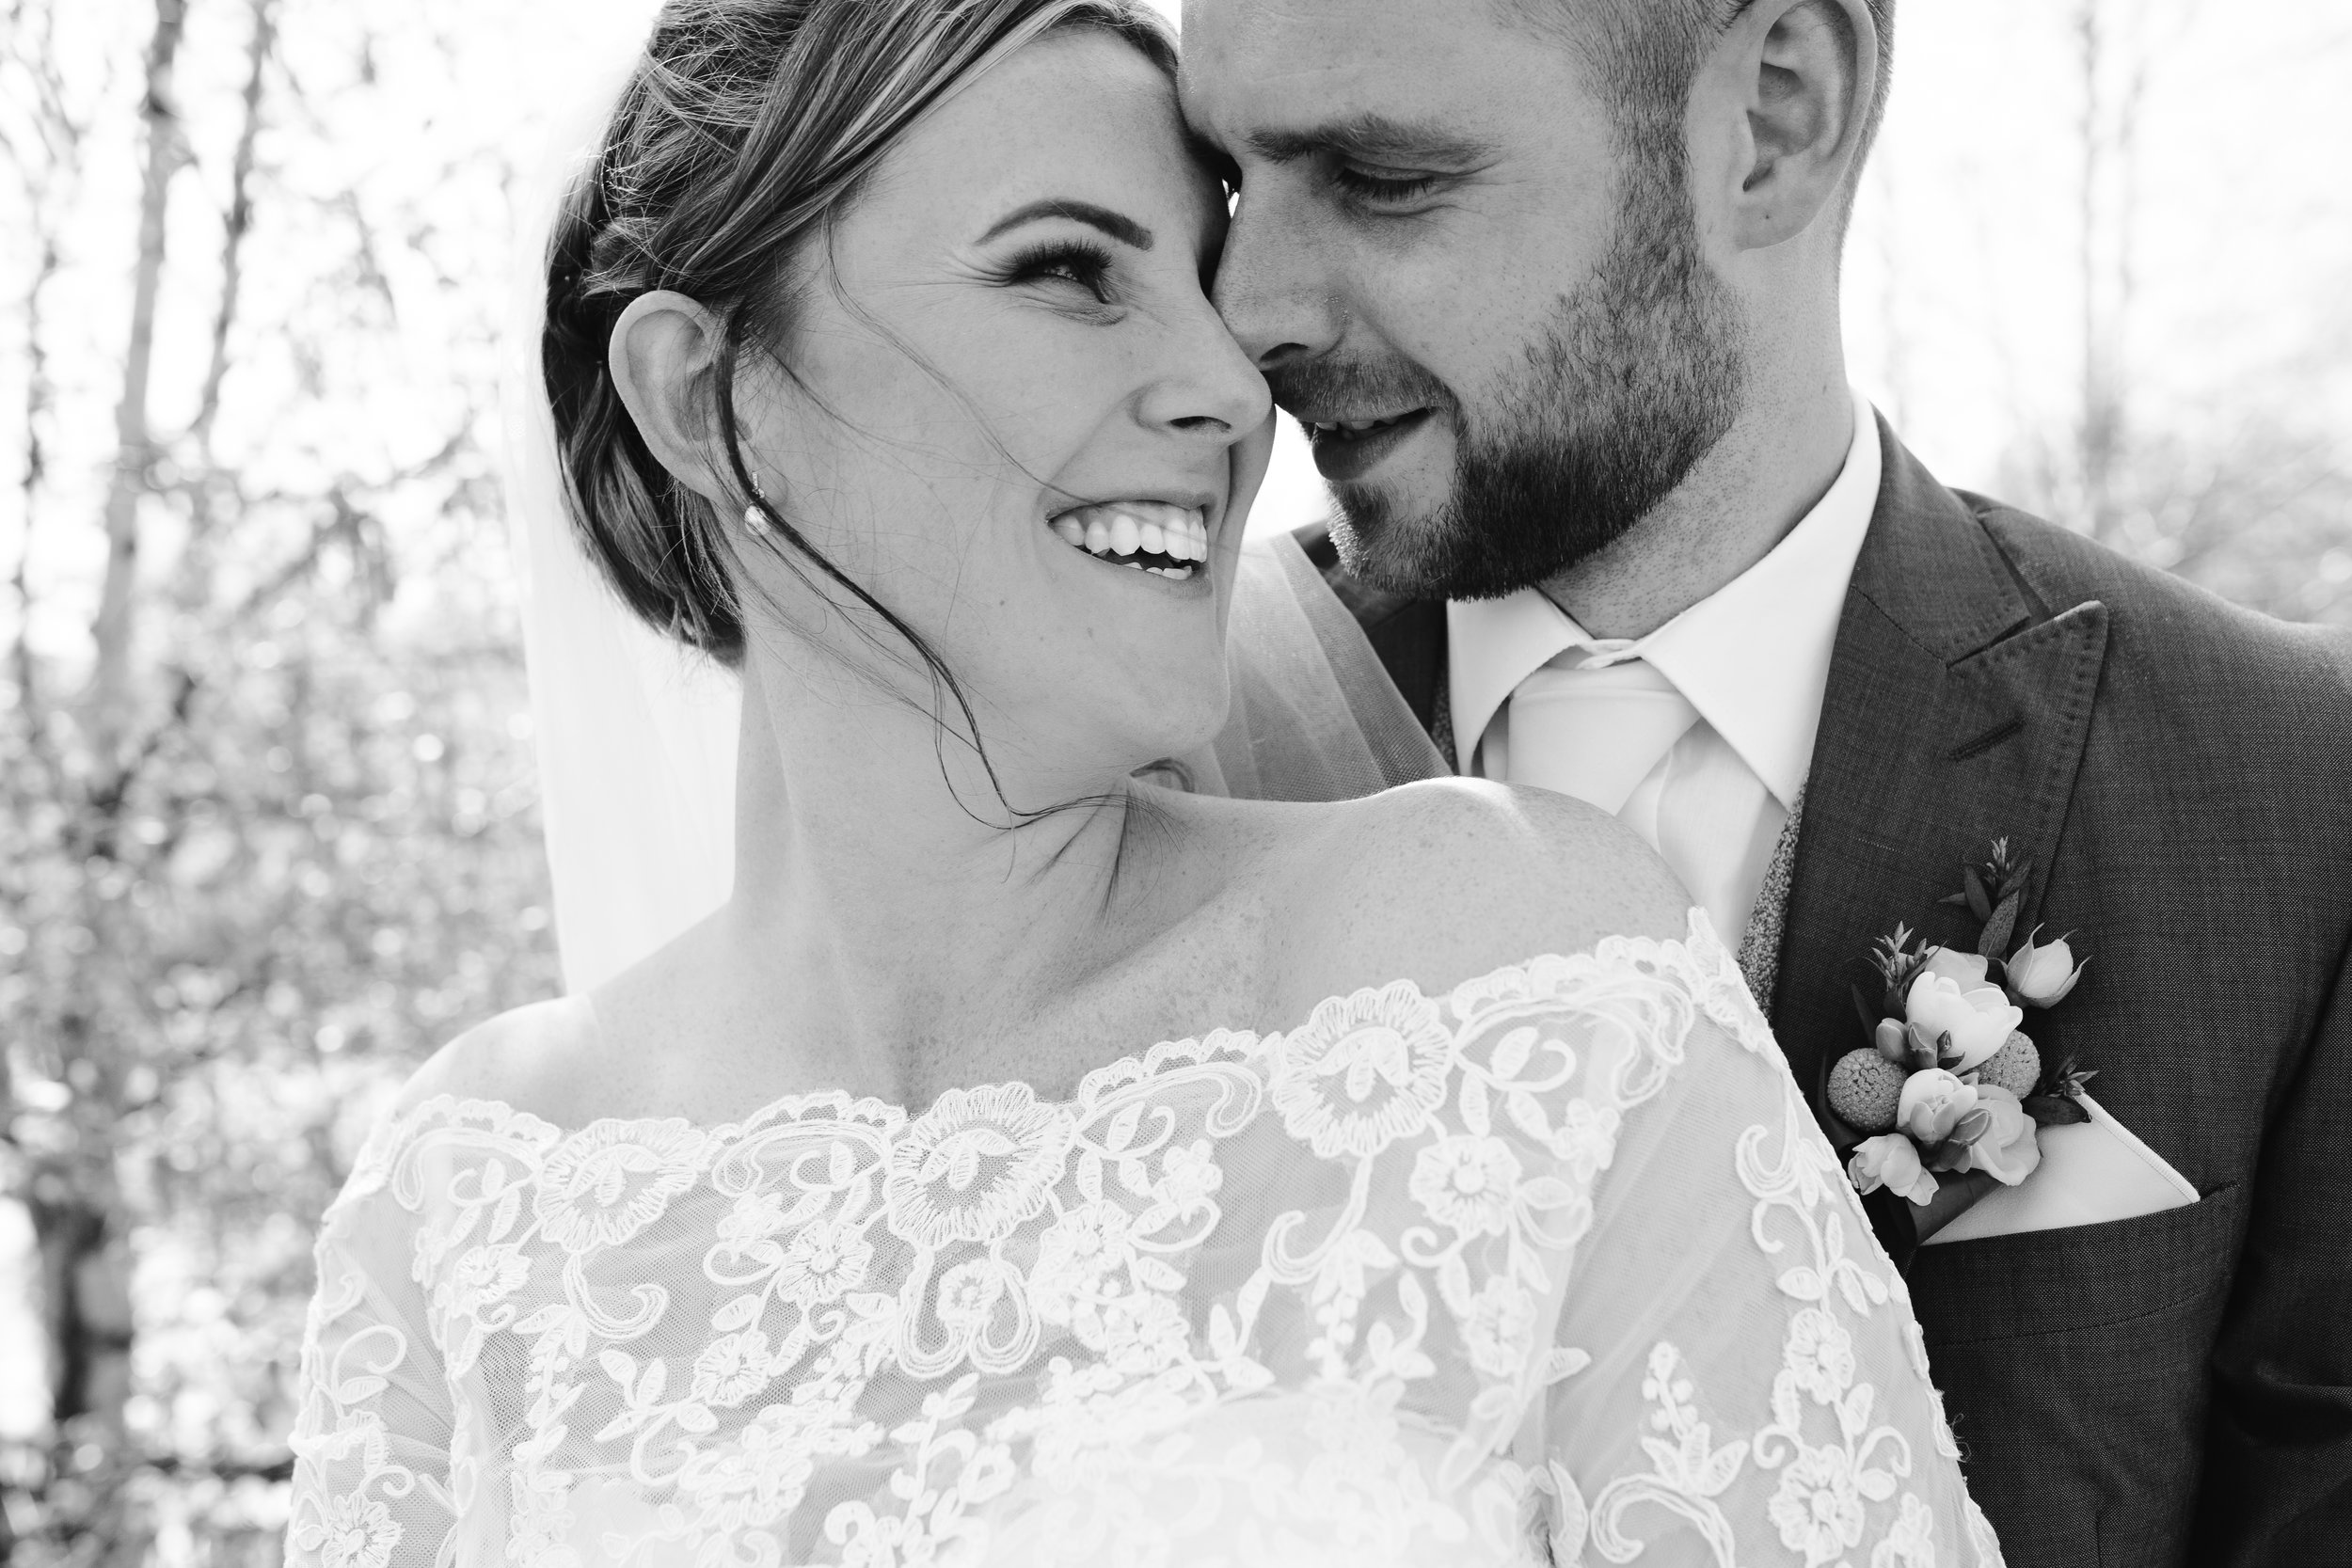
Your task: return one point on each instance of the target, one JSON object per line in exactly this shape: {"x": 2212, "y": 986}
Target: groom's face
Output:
{"x": 1468, "y": 271}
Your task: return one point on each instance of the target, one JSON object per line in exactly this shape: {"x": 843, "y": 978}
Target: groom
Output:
{"x": 1554, "y": 285}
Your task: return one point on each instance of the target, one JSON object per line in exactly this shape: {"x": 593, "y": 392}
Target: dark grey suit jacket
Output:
{"x": 2177, "y": 1388}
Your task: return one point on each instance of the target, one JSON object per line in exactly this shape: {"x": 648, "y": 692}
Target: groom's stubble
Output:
{"x": 1626, "y": 384}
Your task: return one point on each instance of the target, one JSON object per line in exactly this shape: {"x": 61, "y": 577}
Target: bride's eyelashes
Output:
{"x": 1066, "y": 264}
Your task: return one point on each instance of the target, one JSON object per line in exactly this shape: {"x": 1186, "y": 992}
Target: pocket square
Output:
{"x": 2091, "y": 1172}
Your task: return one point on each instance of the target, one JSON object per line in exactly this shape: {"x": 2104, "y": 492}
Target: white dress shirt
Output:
{"x": 1699, "y": 735}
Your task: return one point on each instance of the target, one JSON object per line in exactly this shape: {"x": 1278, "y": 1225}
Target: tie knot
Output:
{"x": 1576, "y": 671}
{"x": 1594, "y": 733}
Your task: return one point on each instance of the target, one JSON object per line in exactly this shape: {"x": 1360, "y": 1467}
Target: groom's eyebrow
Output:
{"x": 1117, "y": 225}
{"x": 1374, "y": 137}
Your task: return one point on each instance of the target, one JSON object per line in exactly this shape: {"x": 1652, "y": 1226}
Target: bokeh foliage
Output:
{"x": 268, "y": 823}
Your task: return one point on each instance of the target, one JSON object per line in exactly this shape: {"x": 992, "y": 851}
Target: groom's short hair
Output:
{"x": 1646, "y": 53}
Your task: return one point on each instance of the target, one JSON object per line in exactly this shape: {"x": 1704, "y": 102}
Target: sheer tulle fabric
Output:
{"x": 1553, "y": 1268}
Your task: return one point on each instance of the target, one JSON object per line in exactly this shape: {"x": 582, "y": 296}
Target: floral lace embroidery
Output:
{"x": 834, "y": 1332}
{"x": 1820, "y": 1508}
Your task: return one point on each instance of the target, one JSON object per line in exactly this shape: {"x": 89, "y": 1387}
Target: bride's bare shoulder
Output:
{"x": 1446, "y": 880}
{"x": 526, "y": 1058}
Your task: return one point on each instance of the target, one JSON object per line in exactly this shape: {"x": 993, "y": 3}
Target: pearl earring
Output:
{"x": 755, "y": 520}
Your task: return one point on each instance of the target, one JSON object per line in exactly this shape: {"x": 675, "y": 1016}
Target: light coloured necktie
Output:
{"x": 1595, "y": 733}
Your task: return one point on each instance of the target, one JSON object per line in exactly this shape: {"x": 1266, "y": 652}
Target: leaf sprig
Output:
{"x": 1993, "y": 889}
{"x": 2056, "y": 1100}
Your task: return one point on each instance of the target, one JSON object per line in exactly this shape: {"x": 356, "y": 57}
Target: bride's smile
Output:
{"x": 1170, "y": 539}
{"x": 991, "y": 391}
{"x": 972, "y": 450}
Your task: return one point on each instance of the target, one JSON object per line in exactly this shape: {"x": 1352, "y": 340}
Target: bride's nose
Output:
{"x": 1202, "y": 383}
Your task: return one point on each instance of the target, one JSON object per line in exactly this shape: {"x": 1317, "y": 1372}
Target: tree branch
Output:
{"x": 109, "y": 692}
{"x": 234, "y": 229}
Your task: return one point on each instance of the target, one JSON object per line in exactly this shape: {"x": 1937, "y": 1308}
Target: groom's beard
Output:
{"x": 1631, "y": 381}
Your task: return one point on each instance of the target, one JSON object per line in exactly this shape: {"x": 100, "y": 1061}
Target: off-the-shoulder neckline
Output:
{"x": 1244, "y": 1044}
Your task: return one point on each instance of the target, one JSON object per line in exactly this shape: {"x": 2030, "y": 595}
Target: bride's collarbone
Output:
{"x": 686, "y": 1036}
{"x": 1430, "y": 884}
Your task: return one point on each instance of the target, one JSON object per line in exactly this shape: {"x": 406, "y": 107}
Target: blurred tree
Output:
{"x": 268, "y": 824}
{"x": 2238, "y": 497}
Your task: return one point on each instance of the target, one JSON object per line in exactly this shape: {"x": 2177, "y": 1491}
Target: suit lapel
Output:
{"x": 1956, "y": 713}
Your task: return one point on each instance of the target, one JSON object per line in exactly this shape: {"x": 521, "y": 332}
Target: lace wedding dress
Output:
{"x": 1554, "y": 1268}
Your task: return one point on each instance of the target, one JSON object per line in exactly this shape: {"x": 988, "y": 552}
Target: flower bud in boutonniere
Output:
{"x": 1933, "y": 1104}
{"x": 1969, "y": 969}
{"x": 2041, "y": 975}
{"x": 1976, "y": 1019}
{"x": 2004, "y": 1146}
{"x": 1891, "y": 1162}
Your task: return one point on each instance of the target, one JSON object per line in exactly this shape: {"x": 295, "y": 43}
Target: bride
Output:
{"x": 1467, "y": 1213}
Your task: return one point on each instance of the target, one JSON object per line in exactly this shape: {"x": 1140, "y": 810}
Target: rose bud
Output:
{"x": 1889, "y": 1161}
{"x": 2042, "y": 976}
{"x": 1969, "y": 969}
{"x": 1977, "y": 1018}
{"x": 1933, "y": 1104}
{"x": 1893, "y": 1042}
{"x": 2005, "y": 1147}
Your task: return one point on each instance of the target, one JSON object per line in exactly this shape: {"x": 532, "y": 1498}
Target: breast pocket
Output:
{"x": 2072, "y": 1363}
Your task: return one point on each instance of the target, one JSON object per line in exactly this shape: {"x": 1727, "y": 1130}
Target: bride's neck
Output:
{"x": 882, "y": 888}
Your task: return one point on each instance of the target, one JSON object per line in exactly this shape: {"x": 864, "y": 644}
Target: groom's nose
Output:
{"x": 1280, "y": 298}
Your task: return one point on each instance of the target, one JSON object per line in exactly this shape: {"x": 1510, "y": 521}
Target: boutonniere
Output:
{"x": 1949, "y": 1083}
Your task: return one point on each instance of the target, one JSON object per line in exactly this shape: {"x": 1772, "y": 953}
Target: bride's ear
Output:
{"x": 663, "y": 355}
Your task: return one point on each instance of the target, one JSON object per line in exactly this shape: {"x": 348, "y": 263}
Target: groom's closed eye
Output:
{"x": 1379, "y": 161}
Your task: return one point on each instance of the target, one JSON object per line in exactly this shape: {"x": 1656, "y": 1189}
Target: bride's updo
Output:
{"x": 745, "y": 129}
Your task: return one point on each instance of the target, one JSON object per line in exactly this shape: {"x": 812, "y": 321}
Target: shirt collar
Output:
{"x": 1753, "y": 657}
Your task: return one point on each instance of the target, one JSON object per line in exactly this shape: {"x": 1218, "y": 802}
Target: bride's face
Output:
{"x": 1012, "y": 414}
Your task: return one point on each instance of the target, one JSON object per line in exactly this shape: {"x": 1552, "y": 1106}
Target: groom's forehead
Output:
{"x": 1274, "y": 37}
{"x": 1251, "y": 66}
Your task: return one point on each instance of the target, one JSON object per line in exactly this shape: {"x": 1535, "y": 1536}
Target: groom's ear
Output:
{"x": 1797, "y": 79}
{"x": 663, "y": 358}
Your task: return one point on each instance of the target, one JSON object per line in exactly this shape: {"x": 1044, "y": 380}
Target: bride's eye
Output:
{"x": 1067, "y": 261}
{"x": 1377, "y": 187}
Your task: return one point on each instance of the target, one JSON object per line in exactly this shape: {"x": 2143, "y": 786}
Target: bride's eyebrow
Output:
{"x": 1117, "y": 225}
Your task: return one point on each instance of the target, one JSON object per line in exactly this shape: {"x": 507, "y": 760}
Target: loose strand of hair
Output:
{"x": 730, "y": 433}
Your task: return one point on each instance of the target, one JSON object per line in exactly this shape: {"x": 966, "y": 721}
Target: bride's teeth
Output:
{"x": 1153, "y": 528}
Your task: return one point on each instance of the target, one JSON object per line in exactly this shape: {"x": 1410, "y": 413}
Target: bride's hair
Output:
{"x": 747, "y": 127}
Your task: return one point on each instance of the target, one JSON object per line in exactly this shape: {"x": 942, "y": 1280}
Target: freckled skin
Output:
{"x": 960, "y": 410}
